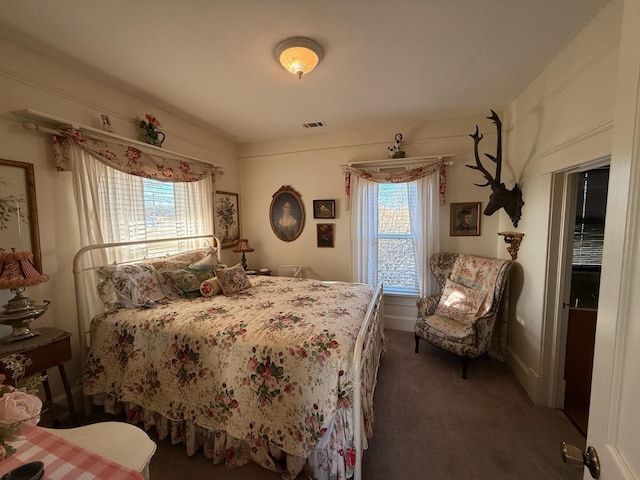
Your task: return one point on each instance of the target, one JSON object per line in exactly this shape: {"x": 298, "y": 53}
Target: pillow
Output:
{"x": 107, "y": 294}
{"x": 460, "y": 303}
{"x": 134, "y": 286}
{"x": 187, "y": 280}
{"x": 209, "y": 259}
{"x": 232, "y": 280}
{"x": 210, "y": 287}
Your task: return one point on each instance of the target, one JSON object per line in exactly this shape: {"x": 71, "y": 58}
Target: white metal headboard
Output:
{"x": 81, "y": 266}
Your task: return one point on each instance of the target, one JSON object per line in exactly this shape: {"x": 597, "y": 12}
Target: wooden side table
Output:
{"x": 49, "y": 349}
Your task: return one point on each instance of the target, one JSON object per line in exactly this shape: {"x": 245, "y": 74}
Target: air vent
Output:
{"x": 314, "y": 124}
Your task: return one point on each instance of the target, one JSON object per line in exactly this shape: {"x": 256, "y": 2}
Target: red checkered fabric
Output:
{"x": 63, "y": 459}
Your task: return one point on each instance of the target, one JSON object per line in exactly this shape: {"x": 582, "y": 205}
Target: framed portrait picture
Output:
{"x": 325, "y": 233}
{"x": 324, "y": 209}
{"x": 226, "y": 224}
{"x": 286, "y": 214}
{"x": 465, "y": 219}
{"x": 18, "y": 210}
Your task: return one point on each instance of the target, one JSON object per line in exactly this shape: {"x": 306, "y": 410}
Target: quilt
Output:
{"x": 271, "y": 362}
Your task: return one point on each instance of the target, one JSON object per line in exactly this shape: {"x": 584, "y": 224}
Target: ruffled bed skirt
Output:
{"x": 332, "y": 459}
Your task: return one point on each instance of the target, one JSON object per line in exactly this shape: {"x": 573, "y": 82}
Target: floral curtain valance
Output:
{"x": 409, "y": 174}
{"x": 129, "y": 159}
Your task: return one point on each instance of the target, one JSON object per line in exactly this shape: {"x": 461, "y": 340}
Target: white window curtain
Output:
{"x": 425, "y": 231}
{"x": 425, "y": 228}
{"x": 364, "y": 230}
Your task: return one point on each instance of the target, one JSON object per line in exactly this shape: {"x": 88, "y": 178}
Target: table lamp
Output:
{"x": 16, "y": 273}
{"x": 243, "y": 246}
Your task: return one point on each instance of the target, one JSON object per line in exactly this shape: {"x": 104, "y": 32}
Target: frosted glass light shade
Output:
{"x": 299, "y": 55}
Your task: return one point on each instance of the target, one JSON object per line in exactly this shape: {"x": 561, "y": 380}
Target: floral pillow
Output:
{"x": 210, "y": 287}
{"x": 460, "y": 303}
{"x": 232, "y": 280}
{"x": 134, "y": 286}
{"x": 187, "y": 280}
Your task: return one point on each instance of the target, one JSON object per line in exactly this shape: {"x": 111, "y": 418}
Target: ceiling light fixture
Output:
{"x": 299, "y": 55}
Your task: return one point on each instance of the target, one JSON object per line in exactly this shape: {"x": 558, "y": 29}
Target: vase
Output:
{"x": 153, "y": 137}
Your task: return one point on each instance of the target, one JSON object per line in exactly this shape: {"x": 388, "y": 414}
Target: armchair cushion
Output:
{"x": 462, "y": 304}
{"x": 438, "y": 327}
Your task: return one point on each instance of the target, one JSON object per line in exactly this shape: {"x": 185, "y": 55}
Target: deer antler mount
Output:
{"x": 501, "y": 197}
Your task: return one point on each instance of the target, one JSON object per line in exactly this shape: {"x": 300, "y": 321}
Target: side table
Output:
{"x": 49, "y": 349}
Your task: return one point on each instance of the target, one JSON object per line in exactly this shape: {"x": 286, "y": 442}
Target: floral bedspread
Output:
{"x": 270, "y": 362}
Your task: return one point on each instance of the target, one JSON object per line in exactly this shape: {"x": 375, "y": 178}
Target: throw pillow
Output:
{"x": 187, "y": 280}
{"x": 233, "y": 279}
{"x": 460, "y": 303}
{"x": 210, "y": 287}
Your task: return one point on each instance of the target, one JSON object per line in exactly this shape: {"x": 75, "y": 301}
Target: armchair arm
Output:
{"x": 484, "y": 331}
{"x": 427, "y": 305}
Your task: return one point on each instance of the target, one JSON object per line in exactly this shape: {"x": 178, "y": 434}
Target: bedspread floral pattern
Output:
{"x": 260, "y": 364}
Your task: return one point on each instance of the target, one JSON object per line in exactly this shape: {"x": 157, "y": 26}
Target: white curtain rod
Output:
{"x": 401, "y": 162}
{"x": 45, "y": 123}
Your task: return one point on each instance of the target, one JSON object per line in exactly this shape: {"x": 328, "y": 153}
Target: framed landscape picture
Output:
{"x": 18, "y": 210}
{"x": 226, "y": 223}
{"x": 465, "y": 219}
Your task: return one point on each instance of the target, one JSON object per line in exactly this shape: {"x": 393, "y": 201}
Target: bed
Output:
{"x": 281, "y": 372}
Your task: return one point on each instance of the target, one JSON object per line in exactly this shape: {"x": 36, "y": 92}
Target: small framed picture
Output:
{"x": 324, "y": 209}
{"x": 326, "y": 234}
{"x": 465, "y": 219}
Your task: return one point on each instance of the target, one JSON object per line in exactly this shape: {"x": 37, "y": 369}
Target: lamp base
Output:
{"x": 20, "y": 332}
{"x": 20, "y": 323}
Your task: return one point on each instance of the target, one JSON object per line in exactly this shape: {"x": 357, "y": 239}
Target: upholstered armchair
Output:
{"x": 462, "y": 317}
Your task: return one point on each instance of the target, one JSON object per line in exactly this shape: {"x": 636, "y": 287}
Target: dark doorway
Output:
{"x": 588, "y": 240}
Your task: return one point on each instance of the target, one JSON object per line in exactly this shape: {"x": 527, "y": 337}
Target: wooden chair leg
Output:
{"x": 417, "y": 342}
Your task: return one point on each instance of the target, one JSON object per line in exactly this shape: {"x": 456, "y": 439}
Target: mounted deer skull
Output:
{"x": 501, "y": 197}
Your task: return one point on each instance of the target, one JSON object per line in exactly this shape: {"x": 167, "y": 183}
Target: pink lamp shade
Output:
{"x": 16, "y": 273}
{"x": 243, "y": 246}
{"x": 17, "y": 270}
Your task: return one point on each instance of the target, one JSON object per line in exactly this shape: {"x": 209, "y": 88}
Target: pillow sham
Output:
{"x": 460, "y": 303}
{"x": 210, "y": 287}
{"x": 134, "y": 286}
{"x": 233, "y": 279}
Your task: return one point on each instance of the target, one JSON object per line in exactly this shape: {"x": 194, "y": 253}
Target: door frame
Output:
{"x": 558, "y": 281}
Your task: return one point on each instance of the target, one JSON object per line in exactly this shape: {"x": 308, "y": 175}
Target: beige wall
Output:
{"x": 31, "y": 81}
{"x": 562, "y": 119}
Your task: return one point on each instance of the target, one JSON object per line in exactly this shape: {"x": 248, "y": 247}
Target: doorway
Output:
{"x": 584, "y": 250}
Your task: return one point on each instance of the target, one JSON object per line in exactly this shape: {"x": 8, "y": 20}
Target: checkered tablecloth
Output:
{"x": 63, "y": 459}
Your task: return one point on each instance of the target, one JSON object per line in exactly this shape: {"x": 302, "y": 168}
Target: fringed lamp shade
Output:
{"x": 16, "y": 273}
{"x": 243, "y": 246}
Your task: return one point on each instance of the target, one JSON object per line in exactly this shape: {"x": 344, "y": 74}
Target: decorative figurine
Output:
{"x": 395, "y": 150}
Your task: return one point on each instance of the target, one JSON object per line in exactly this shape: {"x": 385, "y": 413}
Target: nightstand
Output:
{"x": 51, "y": 348}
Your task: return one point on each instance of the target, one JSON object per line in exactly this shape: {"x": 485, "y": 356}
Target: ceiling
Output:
{"x": 385, "y": 61}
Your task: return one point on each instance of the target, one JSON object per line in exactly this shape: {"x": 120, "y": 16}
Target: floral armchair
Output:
{"x": 462, "y": 317}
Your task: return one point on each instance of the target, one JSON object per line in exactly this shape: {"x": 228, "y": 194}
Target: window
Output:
{"x": 134, "y": 208}
{"x": 396, "y": 250}
{"x": 588, "y": 235}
